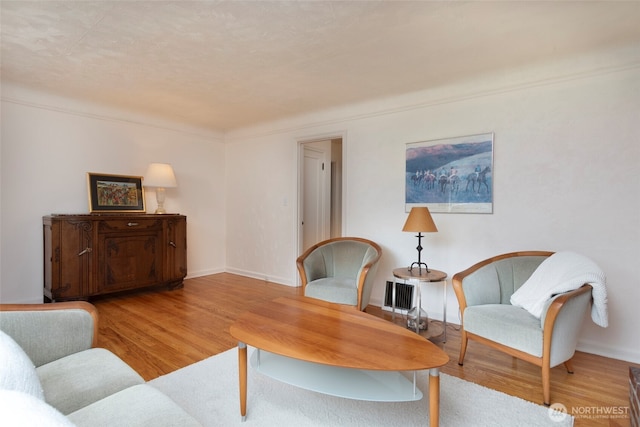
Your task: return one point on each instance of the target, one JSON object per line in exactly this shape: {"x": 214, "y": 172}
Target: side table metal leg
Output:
{"x": 419, "y": 305}
{"x": 394, "y": 285}
{"x": 444, "y": 310}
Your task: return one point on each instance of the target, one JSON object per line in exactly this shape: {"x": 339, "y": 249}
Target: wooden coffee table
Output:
{"x": 335, "y": 335}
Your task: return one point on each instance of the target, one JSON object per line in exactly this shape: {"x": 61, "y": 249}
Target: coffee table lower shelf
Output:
{"x": 358, "y": 384}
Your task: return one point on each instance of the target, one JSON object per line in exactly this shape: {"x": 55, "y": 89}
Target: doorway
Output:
{"x": 320, "y": 191}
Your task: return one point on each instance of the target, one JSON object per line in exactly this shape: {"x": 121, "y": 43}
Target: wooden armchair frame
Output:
{"x": 552, "y": 314}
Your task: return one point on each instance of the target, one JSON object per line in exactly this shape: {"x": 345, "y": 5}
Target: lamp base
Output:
{"x": 160, "y": 199}
{"x": 419, "y": 264}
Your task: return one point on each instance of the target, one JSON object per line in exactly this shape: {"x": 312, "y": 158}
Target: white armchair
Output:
{"x": 484, "y": 291}
{"x": 340, "y": 270}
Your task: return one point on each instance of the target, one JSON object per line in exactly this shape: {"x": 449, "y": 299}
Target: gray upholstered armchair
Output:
{"x": 340, "y": 270}
{"x": 484, "y": 292}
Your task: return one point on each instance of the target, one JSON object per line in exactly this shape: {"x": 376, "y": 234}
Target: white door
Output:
{"x": 316, "y": 202}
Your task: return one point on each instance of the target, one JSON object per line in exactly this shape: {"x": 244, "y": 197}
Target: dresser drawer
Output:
{"x": 129, "y": 224}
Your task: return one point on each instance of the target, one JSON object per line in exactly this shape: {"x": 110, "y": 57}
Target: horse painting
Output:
{"x": 451, "y": 174}
{"x": 430, "y": 179}
{"x": 427, "y": 179}
{"x": 479, "y": 178}
{"x": 452, "y": 181}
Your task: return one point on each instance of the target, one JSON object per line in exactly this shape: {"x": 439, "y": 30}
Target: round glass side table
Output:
{"x": 417, "y": 317}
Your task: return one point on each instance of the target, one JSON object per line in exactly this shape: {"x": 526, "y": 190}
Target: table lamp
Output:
{"x": 161, "y": 176}
{"x": 419, "y": 220}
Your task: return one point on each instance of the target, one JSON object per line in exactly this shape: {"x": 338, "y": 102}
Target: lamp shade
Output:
{"x": 419, "y": 220}
{"x": 160, "y": 175}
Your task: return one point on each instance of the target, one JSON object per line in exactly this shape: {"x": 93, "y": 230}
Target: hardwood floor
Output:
{"x": 157, "y": 332}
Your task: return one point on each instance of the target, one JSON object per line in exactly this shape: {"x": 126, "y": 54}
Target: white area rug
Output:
{"x": 208, "y": 390}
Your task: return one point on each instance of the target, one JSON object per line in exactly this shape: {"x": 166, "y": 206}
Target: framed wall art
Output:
{"x": 115, "y": 193}
{"x": 452, "y": 175}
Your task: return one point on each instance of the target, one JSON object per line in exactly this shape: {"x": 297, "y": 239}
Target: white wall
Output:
{"x": 261, "y": 218}
{"x": 566, "y": 155}
{"x": 48, "y": 146}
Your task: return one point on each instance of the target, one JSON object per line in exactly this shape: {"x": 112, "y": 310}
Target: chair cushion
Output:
{"x": 17, "y": 371}
{"x": 340, "y": 290}
{"x": 23, "y": 409}
{"x": 140, "y": 405}
{"x": 505, "y": 324}
{"x": 80, "y": 379}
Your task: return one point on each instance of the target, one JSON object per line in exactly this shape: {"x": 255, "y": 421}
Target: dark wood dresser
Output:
{"x": 98, "y": 254}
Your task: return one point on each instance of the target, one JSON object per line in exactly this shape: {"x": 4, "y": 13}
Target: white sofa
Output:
{"x": 51, "y": 374}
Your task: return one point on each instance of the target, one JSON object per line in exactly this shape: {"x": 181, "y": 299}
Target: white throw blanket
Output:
{"x": 564, "y": 272}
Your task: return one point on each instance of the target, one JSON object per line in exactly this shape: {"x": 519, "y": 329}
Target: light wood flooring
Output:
{"x": 157, "y": 332}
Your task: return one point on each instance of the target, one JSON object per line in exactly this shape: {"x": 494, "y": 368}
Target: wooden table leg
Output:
{"x": 434, "y": 397}
{"x": 242, "y": 374}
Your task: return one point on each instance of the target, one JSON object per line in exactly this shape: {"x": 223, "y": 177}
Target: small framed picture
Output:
{"x": 115, "y": 193}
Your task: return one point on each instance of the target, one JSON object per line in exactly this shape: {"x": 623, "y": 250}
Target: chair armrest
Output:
{"x": 366, "y": 276}
{"x": 48, "y": 332}
{"x": 555, "y": 305}
{"x": 561, "y": 323}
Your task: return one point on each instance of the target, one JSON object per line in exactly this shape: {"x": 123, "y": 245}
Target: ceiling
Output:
{"x": 221, "y": 65}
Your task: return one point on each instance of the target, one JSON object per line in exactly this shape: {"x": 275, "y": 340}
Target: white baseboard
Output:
{"x": 261, "y": 276}
{"x": 594, "y": 347}
{"x": 240, "y": 272}
{"x": 200, "y": 273}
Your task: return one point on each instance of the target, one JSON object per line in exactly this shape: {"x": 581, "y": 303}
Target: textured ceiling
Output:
{"x": 222, "y": 65}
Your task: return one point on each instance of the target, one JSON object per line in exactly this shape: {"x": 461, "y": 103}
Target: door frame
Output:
{"x": 300, "y": 141}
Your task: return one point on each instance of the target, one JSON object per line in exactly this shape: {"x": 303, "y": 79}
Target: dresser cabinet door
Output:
{"x": 129, "y": 255}
{"x": 176, "y": 250}
{"x": 68, "y": 258}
